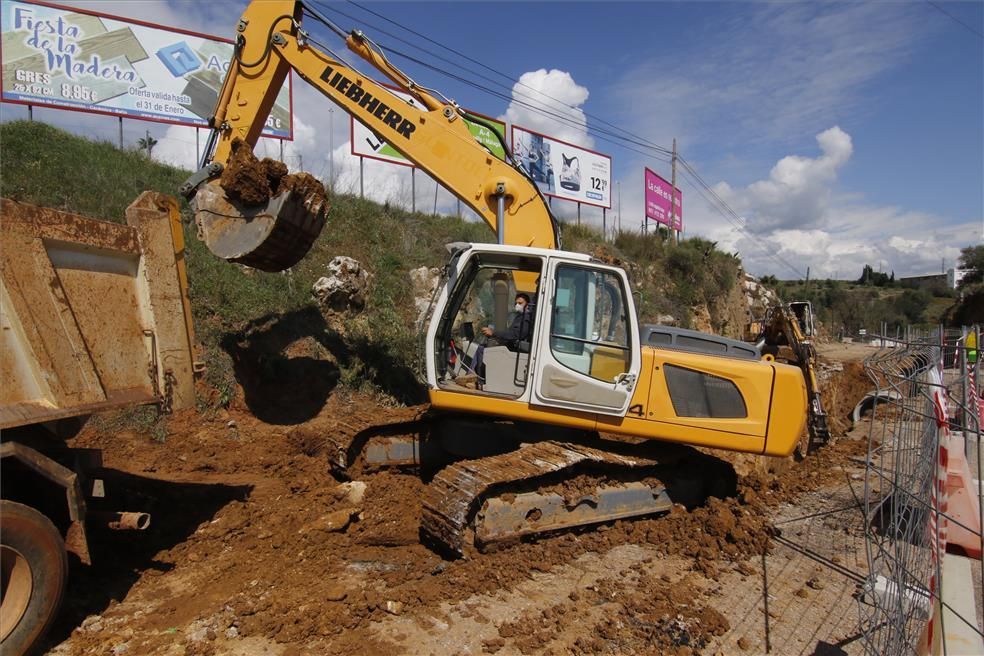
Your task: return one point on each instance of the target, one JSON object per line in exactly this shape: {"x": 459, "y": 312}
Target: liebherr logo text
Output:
{"x": 380, "y": 110}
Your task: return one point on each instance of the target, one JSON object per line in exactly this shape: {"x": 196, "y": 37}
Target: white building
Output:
{"x": 954, "y": 276}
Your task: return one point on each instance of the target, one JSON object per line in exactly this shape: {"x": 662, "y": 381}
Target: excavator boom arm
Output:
{"x": 271, "y": 43}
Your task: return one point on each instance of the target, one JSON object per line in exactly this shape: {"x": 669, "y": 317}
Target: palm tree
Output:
{"x": 147, "y": 143}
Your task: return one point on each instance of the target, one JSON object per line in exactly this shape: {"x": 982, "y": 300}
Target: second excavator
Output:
{"x": 574, "y": 422}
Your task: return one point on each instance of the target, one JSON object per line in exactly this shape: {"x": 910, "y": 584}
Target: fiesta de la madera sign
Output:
{"x": 80, "y": 60}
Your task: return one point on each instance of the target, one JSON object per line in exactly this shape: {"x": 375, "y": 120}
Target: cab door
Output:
{"x": 588, "y": 354}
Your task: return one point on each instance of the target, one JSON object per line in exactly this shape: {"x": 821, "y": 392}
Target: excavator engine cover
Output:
{"x": 269, "y": 237}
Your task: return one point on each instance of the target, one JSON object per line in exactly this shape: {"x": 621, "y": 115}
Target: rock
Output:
{"x": 815, "y": 583}
{"x": 93, "y": 623}
{"x": 666, "y": 320}
{"x": 352, "y": 492}
{"x": 232, "y": 632}
{"x": 120, "y": 649}
{"x": 338, "y": 520}
{"x": 345, "y": 288}
{"x": 423, "y": 280}
{"x": 393, "y": 607}
{"x": 332, "y": 522}
{"x": 198, "y": 635}
{"x": 335, "y": 592}
{"x": 758, "y": 297}
{"x": 744, "y": 644}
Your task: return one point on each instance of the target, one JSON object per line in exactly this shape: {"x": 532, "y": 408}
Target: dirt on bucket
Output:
{"x": 252, "y": 181}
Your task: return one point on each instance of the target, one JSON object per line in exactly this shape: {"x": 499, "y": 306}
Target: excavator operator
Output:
{"x": 520, "y": 327}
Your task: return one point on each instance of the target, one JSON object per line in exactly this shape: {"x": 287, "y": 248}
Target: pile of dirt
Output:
{"x": 840, "y": 392}
{"x": 823, "y": 468}
{"x": 253, "y": 182}
{"x": 253, "y": 538}
{"x": 657, "y": 616}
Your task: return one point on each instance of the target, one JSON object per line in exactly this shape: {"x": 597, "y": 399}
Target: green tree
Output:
{"x": 972, "y": 259}
{"x": 147, "y": 143}
{"x": 969, "y": 309}
{"x": 871, "y": 277}
{"x": 911, "y": 304}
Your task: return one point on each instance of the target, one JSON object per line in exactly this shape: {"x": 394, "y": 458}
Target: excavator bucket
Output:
{"x": 273, "y": 236}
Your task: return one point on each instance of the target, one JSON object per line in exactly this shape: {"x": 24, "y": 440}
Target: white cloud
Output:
{"x": 795, "y": 220}
{"x": 554, "y": 92}
{"x": 919, "y": 246}
{"x": 215, "y": 17}
{"x": 798, "y": 190}
{"x": 772, "y": 72}
{"x": 177, "y": 146}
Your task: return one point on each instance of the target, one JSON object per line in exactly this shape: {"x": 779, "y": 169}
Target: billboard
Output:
{"x": 658, "y": 202}
{"x": 365, "y": 143}
{"x": 564, "y": 170}
{"x": 80, "y": 60}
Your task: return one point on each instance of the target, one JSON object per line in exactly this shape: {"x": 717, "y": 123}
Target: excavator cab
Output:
{"x": 483, "y": 300}
{"x": 803, "y": 310}
{"x": 581, "y": 351}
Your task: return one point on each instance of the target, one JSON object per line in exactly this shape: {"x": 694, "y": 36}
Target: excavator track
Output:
{"x": 508, "y": 496}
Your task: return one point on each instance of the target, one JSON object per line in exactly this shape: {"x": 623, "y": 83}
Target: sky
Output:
{"x": 837, "y": 134}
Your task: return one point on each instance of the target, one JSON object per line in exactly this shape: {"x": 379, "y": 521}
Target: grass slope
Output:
{"x": 237, "y": 309}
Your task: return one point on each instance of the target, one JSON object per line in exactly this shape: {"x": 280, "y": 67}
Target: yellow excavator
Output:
{"x": 583, "y": 415}
{"x": 793, "y": 326}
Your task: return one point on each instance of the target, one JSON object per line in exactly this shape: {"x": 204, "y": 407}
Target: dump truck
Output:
{"x": 94, "y": 316}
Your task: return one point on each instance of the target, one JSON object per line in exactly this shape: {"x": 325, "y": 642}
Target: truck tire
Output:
{"x": 34, "y": 566}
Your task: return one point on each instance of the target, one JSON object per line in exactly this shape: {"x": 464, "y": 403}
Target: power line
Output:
{"x": 631, "y": 142}
{"x": 513, "y": 82}
{"x": 715, "y": 201}
{"x": 954, "y": 18}
{"x": 661, "y": 153}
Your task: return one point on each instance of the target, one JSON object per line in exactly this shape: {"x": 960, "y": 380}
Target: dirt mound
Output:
{"x": 841, "y": 392}
{"x": 253, "y": 182}
{"x": 821, "y": 469}
{"x": 265, "y": 545}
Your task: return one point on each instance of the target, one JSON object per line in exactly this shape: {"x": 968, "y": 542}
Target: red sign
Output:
{"x": 658, "y": 203}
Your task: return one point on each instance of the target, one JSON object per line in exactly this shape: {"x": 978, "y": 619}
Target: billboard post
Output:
{"x": 87, "y": 61}
{"x": 673, "y": 210}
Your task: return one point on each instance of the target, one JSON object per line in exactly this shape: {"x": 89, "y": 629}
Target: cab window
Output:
{"x": 589, "y": 329}
{"x": 484, "y": 341}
